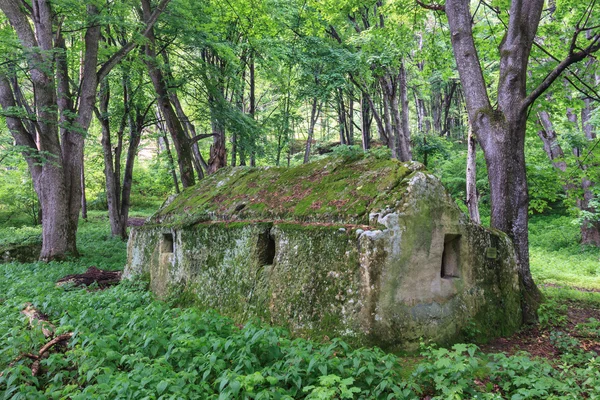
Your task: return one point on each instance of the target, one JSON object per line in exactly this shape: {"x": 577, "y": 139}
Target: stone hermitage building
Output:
{"x": 368, "y": 249}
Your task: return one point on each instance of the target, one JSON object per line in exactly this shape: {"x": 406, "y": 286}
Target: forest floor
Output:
{"x": 123, "y": 343}
{"x": 540, "y": 341}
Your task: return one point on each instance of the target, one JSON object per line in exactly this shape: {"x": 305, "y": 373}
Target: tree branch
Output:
{"x": 434, "y": 6}
{"x": 197, "y": 138}
{"x": 467, "y": 59}
{"x": 572, "y": 58}
{"x": 123, "y": 51}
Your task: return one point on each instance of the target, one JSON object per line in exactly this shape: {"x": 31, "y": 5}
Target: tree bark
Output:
{"x": 58, "y": 181}
{"x": 550, "y": 141}
{"x": 365, "y": 122}
{"x": 472, "y": 196}
{"x": 404, "y": 142}
{"x": 173, "y": 124}
{"x": 501, "y": 131}
{"x": 314, "y": 115}
{"x": 590, "y": 230}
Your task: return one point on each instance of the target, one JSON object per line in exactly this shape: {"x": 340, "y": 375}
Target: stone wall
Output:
{"x": 402, "y": 267}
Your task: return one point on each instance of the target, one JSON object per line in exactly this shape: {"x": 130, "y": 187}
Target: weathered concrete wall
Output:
{"x": 403, "y": 266}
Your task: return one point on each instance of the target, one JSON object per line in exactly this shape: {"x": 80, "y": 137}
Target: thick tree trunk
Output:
{"x": 507, "y": 176}
{"x": 501, "y": 131}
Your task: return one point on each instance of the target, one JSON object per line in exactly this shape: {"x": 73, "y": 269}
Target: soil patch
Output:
{"x": 539, "y": 342}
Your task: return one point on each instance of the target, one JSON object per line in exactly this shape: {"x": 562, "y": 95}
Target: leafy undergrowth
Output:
{"x": 126, "y": 344}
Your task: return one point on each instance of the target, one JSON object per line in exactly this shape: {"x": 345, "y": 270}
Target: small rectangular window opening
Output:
{"x": 266, "y": 251}
{"x": 451, "y": 256}
{"x": 166, "y": 244}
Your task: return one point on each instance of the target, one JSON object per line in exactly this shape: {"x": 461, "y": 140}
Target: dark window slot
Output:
{"x": 266, "y": 250}
{"x": 451, "y": 257}
{"x": 166, "y": 244}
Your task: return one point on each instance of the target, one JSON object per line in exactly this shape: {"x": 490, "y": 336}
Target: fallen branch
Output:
{"x": 35, "y": 367}
{"x": 38, "y": 320}
{"x": 92, "y": 275}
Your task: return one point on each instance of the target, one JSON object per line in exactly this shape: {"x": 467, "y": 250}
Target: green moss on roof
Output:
{"x": 331, "y": 190}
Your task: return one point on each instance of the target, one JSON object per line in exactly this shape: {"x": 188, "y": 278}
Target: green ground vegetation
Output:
{"x": 127, "y": 344}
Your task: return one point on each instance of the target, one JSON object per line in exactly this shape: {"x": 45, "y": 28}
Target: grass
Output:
{"x": 127, "y": 344}
{"x": 557, "y": 258}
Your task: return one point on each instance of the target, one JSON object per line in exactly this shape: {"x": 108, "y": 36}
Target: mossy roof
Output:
{"x": 330, "y": 190}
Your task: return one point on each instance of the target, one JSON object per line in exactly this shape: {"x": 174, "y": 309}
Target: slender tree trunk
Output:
{"x": 472, "y": 196}
{"x": 171, "y": 164}
{"x": 218, "y": 151}
{"x": 84, "y": 214}
{"x": 173, "y": 124}
{"x": 341, "y": 110}
{"x": 314, "y": 115}
{"x": 365, "y": 123}
{"x": 551, "y": 145}
{"x": 386, "y": 112}
{"x": 190, "y": 132}
{"x": 135, "y": 135}
{"x": 111, "y": 176}
{"x": 252, "y": 110}
{"x": 351, "y": 119}
{"x": 405, "y": 128}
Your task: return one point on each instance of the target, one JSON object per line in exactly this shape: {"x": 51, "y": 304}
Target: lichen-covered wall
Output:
{"x": 398, "y": 265}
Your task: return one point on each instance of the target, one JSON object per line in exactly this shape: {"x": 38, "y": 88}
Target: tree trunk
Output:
{"x": 314, "y": 115}
{"x": 404, "y": 142}
{"x": 59, "y": 179}
{"x": 111, "y": 178}
{"x": 507, "y": 176}
{"x": 501, "y": 131}
{"x": 351, "y": 119}
{"x": 84, "y": 214}
{"x": 472, "y": 196}
{"x": 551, "y": 146}
{"x": 135, "y": 135}
{"x": 365, "y": 123}
{"x": 252, "y": 110}
{"x": 218, "y": 151}
{"x": 173, "y": 124}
